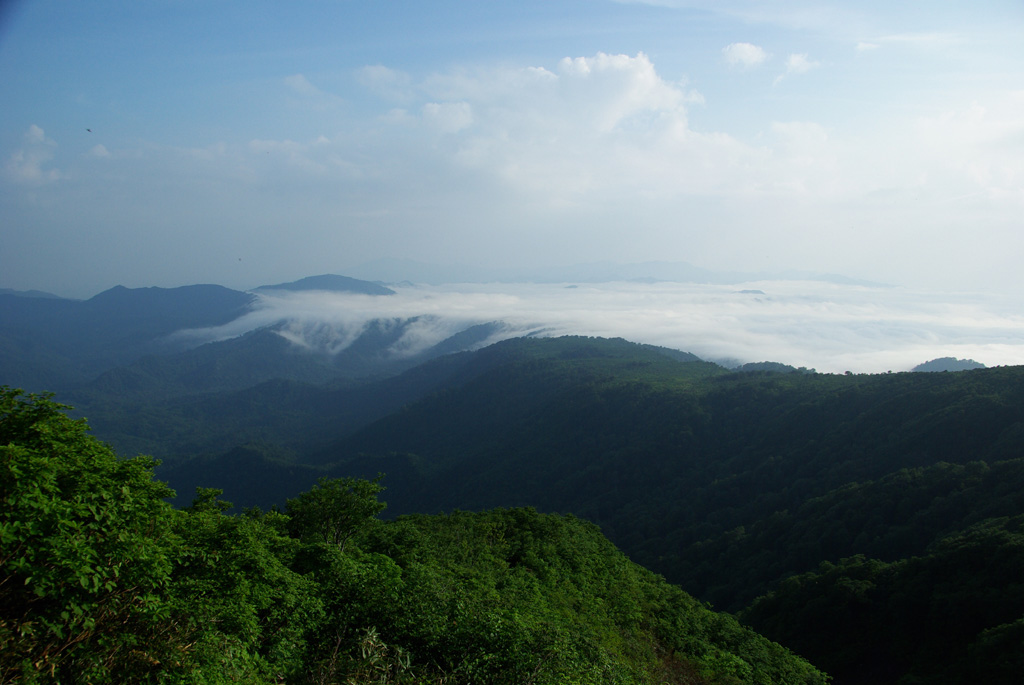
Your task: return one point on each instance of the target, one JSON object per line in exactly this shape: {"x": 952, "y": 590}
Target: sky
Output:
{"x": 172, "y": 142}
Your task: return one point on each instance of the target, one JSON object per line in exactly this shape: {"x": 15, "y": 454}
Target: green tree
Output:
{"x": 86, "y": 552}
{"x": 247, "y": 612}
{"x": 334, "y": 509}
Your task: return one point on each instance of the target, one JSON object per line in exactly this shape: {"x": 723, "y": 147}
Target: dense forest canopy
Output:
{"x": 102, "y": 581}
{"x": 805, "y": 503}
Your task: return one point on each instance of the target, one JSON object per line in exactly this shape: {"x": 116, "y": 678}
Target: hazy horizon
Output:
{"x": 168, "y": 143}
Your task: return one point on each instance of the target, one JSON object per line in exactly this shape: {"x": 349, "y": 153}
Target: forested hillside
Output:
{"x": 729, "y": 483}
{"x": 65, "y": 342}
{"x": 155, "y": 345}
{"x": 101, "y": 581}
{"x": 806, "y": 503}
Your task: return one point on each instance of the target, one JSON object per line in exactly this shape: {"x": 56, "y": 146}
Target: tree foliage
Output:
{"x": 103, "y": 582}
{"x": 86, "y": 551}
{"x": 334, "y": 509}
{"x": 730, "y": 483}
{"x": 946, "y": 616}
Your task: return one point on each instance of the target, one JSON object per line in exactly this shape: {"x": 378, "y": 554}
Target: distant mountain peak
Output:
{"x": 332, "y": 283}
{"x": 949, "y": 364}
{"x": 30, "y": 293}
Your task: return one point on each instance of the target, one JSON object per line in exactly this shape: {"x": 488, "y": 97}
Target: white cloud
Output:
{"x": 319, "y": 157}
{"x": 978, "y": 148}
{"x": 36, "y": 135}
{"x": 864, "y": 46}
{"x": 744, "y": 54}
{"x": 601, "y": 124}
{"x": 616, "y": 88}
{"x": 573, "y": 161}
{"x": 807, "y": 162}
{"x": 300, "y": 84}
{"x": 693, "y": 97}
{"x": 830, "y": 327}
{"x": 608, "y": 130}
{"x": 308, "y": 97}
{"x": 387, "y": 83}
{"x": 587, "y": 129}
{"x": 797, "y": 63}
{"x": 29, "y": 164}
{"x": 99, "y": 151}
{"x": 448, "y": 117}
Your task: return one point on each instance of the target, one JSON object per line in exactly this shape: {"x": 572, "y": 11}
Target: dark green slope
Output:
{"x": 510, "y": 390}
{"x": 29, "y": 335}
{"x": 134, "y": 345}
{"x": 262, "y": 355}
{"x": 666, "y": 457}
{"x": 260, "y": 387}
{"x": 726, "y": 483}
{"x": 952, "y": 614}
{"x": 104, "y": 582}
{"x": 255, "y": 357}
{"x": 530, "y": 582}
{"x": 677, "y": 461}
{"x": 295, "y": 421}
{"x": 729, "y": 483}
{"x": 71, "y": 341}
{"x": 744, "y": 435}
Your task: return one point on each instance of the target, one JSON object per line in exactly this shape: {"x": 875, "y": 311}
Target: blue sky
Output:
{"x": 258, "y": 142}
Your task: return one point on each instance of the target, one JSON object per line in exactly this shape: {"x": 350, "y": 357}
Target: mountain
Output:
{"x": 29, "y": 293}
{"x": 104, "y": 582}
{"x": 332, "y": 283}
{"x": 141, "y": 363}
{"x": 226, "y": 365}
{"x": 558, "y": 432}
{"x": 949, "y": 364}
{"x": 773, "y": 367}
{"x": 796, "y": 499}
{"x": 871, "y": 520}
{"x": 271, "y": 353}
{"x": 299, "y": 421}
{"x": 869, "y": 491}
{"x": 159, "y": 311}
{"x": 57, "y": 343}
{"x": 729, "y": 483}
{"x": 261, "y": 388}
{"x": 155, "y": 343}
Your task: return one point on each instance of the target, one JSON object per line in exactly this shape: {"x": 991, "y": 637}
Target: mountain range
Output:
{"x": 874, "y": 523}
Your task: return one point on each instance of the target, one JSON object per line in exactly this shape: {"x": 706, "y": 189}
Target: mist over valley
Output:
{"x": 827, "y": 326}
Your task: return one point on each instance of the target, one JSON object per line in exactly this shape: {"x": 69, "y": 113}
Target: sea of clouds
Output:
{"x": 829, "y": 327}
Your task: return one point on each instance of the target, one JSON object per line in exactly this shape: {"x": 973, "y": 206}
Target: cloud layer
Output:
{"x": 829, "y": 327}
